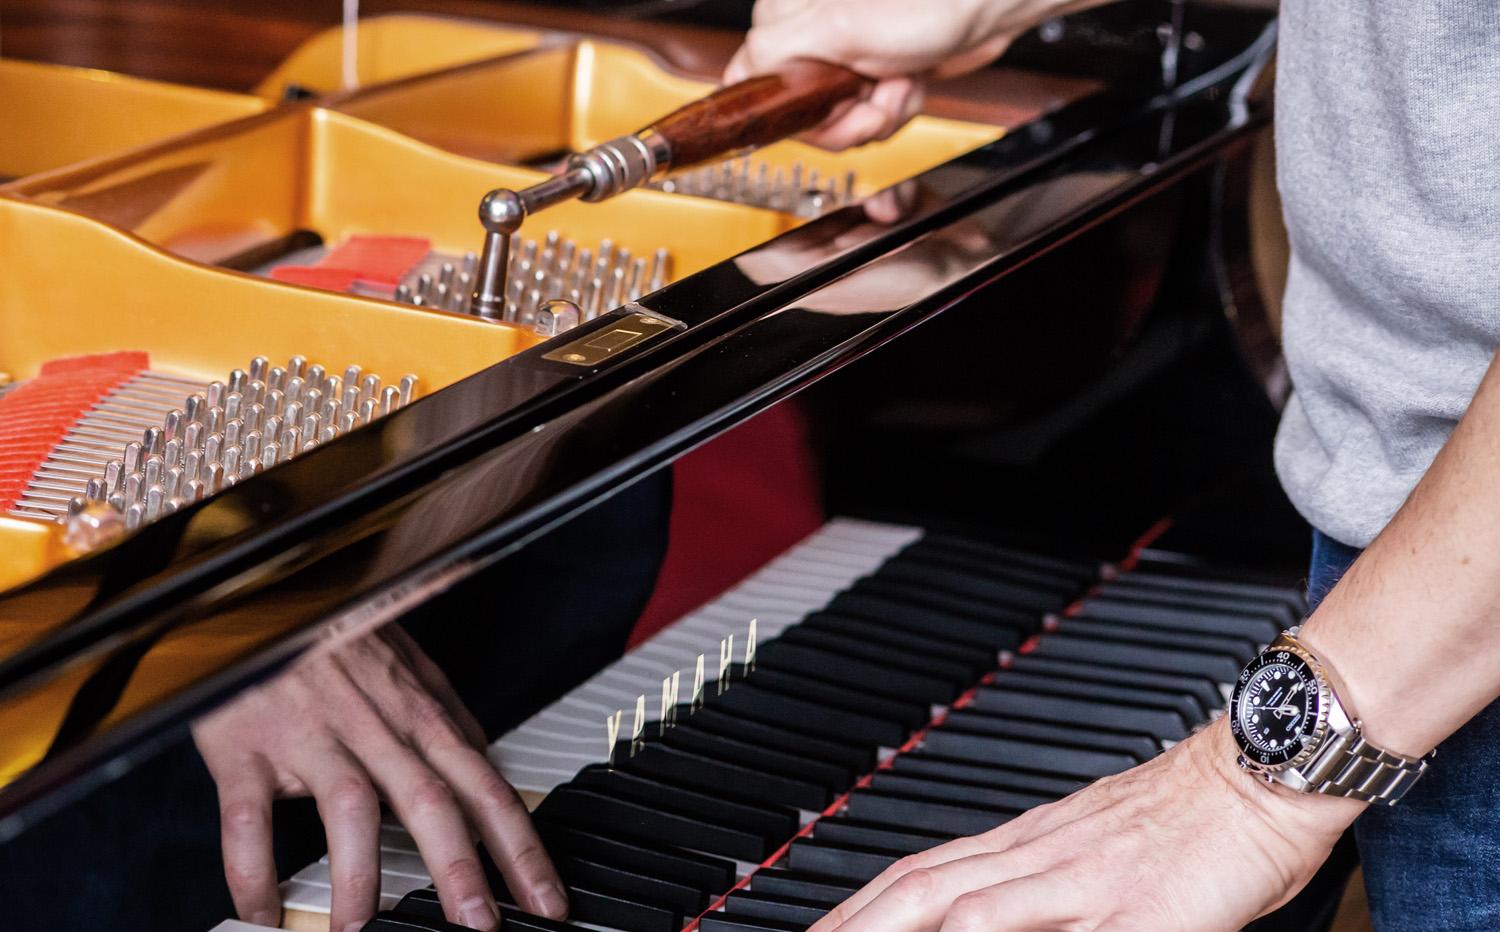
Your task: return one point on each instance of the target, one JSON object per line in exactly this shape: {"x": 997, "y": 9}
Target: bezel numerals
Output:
{"x": 1311, "y": 730}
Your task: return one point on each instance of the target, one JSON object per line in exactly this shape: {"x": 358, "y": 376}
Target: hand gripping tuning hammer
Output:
{"x": 732, "y": 120}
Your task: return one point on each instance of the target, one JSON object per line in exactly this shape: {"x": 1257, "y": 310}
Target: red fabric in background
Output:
{"x": 737, "y": 502}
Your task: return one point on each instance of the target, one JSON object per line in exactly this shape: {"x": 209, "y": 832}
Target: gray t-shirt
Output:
{"x": 1388, "y": 153}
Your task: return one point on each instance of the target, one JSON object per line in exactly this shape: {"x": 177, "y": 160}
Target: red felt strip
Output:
{"x": 329, "y": 279}
{"x": 132, "y": 360}
{"x": 35, "y": 416}
{"x": 383, "y": 260}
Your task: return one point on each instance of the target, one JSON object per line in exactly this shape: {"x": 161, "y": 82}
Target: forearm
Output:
{"x": 1413, "y": 629}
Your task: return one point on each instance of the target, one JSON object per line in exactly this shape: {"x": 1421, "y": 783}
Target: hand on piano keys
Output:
{"x": 371, "y": 720}
{"x": 817, "y": 772}
{"x": 1183, "y": 841}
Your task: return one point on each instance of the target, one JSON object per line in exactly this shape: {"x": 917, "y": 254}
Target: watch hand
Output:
{"x": 1278, "y": 710}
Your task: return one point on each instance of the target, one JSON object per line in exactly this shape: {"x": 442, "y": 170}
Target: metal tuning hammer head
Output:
{"x": 500, "y": 213}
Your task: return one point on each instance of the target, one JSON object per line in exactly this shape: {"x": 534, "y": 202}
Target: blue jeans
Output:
{"x": 1433, "y": 860}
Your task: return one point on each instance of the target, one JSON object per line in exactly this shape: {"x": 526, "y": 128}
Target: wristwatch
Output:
{"x": 1292, "y": 728}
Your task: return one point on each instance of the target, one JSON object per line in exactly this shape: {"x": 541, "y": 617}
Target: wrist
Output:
{"x": 1399, "y": 727}
{"x": 1313, "y": 816}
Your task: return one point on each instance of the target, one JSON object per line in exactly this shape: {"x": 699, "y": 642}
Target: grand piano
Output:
{"x": 847, "y": 507}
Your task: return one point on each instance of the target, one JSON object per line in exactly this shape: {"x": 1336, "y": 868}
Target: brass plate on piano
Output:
{"x": 596, "y": 346}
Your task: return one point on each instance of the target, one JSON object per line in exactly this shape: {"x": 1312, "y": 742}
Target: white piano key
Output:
{"x": 873, "y": 531}
{"x": 391, "y": 883}
{"x": 234, "y": 925}
{"x": 534, "y": 780}
{"x": 307, "y": 897}
{"x": 395, "y": 838}
{"x": 405, "y": 863}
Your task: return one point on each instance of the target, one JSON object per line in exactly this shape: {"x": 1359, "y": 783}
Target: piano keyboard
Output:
{"x": 908, "y": 687}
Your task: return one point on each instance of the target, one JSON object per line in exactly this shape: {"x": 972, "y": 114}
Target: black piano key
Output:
{"x": 597, "y": 907}
{"x": 422, "y": 907}
{"x": 989, "y": 589}
{"x": 514, "y": 920}
{"x": 419, "y": 904}
{"x": 918, "y": 787}
{"x": 620, "y": 899}
{"x": 1290, "y": 596}
{"x": 759, "y": 756}
{"x": 902, "y": 594}
{"x": 864, "y": 675}
{"x": 907, "y": 715}
{"x": 767, "y": 906}
{"x": 710, "y": 875}
{"x": 591, "y": 811}
{"x": 1082, "y": 572}
{"x": 632, "y": 882}
{"x": 1126, "y": 633}
{"x": 1005, "y": 778}
{"x": 737, "y": 922}
{"x": 1140, "y": 747}
{"x": 1213, "y": 615}
{"x": 845, "y": 831}
{"x": 1064, "y": 585}
{"x": 796, "y": 885}
{"x": 1135, "y": 583}
{"x": 1025, "y": 755}
{"x": 813, "y": 718}
{"x": 840, "y": 749}
{"x": 1160, "y": 724}
{"x": 923, "y": 815}
{"x": 846, "y": 863}
{"x": 683, "y": 768}
{"x": 1193, "y": 697}
{"x": 720, "y": 807}
{"x": 1215, "y": 667}
{"x": 397, "y": 920}
{"x": 934, "y": 652}
{"x": 928, "y": 620}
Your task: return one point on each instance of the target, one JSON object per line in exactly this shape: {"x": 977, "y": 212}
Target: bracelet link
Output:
{"x": 1365, "y": 772}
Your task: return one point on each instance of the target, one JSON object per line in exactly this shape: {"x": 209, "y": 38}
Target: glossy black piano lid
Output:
{"x": 387, "y": 516}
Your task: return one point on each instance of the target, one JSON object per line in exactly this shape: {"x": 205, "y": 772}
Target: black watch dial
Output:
{"x": 1274, "y": 707}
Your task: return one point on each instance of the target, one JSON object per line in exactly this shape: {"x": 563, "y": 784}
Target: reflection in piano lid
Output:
{"x": 906, "y": 687}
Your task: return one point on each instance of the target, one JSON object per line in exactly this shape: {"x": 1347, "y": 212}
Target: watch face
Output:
{"x": 1274, "y": 709}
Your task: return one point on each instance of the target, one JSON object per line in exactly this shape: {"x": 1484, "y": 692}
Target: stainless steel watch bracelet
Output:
{"x": 1350, "y": 766}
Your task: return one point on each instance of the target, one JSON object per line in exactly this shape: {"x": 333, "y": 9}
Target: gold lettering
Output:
{"x": 698, "y": 685}
{"x": 669, "y": 687}
{"x": 638, "y": 731}
{"x": 612, "y": 729}
{"x": 726, "y": 657}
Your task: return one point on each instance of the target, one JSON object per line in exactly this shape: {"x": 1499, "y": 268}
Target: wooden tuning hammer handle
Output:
{"x": 759, "y": 111}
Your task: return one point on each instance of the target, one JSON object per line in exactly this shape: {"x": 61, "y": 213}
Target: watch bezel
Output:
{"x": 1283, "y": 650}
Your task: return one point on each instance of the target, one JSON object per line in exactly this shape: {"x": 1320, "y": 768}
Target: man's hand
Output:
{"x": 1183, "y": 842}
{"x": 901, "y": 42}
{"x": 374, "y": 719}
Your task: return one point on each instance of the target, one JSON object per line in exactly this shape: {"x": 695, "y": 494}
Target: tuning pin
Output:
{"x": 555, "y": 317}
{"x": 661, "y": 269}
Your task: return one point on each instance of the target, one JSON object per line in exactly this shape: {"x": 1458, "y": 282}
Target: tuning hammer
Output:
{"x": 734, "y": 119}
